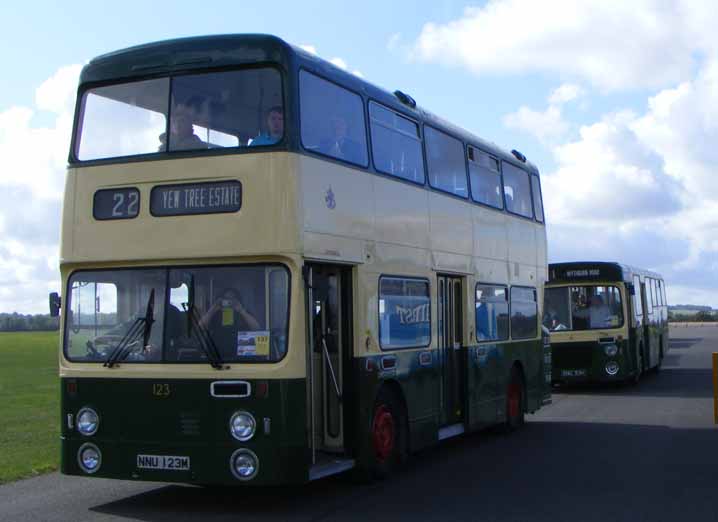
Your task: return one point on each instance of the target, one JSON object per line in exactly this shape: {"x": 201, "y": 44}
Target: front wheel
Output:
{"x": 515, "y": 402}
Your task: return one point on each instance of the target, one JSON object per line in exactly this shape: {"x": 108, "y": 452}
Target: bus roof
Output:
{"x": 183, "y": 55}
{"x": 595, "y": 271}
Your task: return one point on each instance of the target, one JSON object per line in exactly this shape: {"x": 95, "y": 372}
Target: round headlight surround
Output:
{"x": 94, "y": 426}
{"x": 241, "y": 434}
{"x": 612, "y": 368}
{"x": 251, "y": 461}
{"x": 88, "y": 446}
{"x": 611, "y": 350}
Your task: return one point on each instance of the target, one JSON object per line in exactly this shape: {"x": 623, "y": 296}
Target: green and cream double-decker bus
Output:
{"x": 275, "y": 271}
{"x": 608, "y": 321}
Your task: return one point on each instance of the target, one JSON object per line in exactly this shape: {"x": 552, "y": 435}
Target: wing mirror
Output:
{"x": 55, "y": 303}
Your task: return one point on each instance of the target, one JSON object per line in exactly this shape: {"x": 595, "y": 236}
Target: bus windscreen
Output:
{"x": 582, "y": 308}
{"x": 193, "y": 112}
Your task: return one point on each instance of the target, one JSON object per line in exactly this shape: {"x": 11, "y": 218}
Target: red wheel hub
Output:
{"x": 514, "y": 400}
{"x": 383, "y": 433}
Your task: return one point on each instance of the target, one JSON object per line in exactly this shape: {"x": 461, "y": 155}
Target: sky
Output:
{"x": 616, "y": 103}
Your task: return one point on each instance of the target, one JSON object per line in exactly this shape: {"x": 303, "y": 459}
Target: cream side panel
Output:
{"x": 521, "y": 241}
{"x": 292, "y": 366}
{"x": 490, "y": 234}
{"x": 266, "y": 223}
{"x": 451, "y": 226}
{"x": 67, "y": 233}
{"x": 336, "y": 200}
{"x": 402, "y": 213}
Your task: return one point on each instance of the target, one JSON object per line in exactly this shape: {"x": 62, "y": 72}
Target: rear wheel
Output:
{"x": 515, "y": 401}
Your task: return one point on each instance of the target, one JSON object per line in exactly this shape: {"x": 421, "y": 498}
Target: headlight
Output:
{"x": 89, "y": 458}
{"x": 87, "y": 421}
{"x": 611, "y": 350}
{"x": 244, "y": 464}
{"x": 612, "y": 368}
{"x": 242, "y": 426}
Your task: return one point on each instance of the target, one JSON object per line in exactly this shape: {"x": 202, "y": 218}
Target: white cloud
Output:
{"x": 613, "y": 45}
{"x": 549, "y": 125}
{"x": 546, "y": 126}
{"x": 566, "y": 93}
{"x": 336, "y": 61}
{"x": 31, "y": 181}
{"x": 641, "y": 188}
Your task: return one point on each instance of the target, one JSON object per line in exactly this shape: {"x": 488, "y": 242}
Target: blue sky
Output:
{"x": 613, "y": 102}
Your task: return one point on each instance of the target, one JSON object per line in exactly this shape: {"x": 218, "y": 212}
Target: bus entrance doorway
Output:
{"x": 450, "y": 314}
{"x": 329, "y": 298}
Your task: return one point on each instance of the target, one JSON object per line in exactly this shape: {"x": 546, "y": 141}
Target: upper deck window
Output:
{"x": 517, "y": 190}
{"x": 332, "y": 120}
{"x": 396, "y": 144}
{"x": 485, "y": 179}
{"x": 445, "y": 159}
{"x": 538, "y": 201}
{"x": 191, "y": 112}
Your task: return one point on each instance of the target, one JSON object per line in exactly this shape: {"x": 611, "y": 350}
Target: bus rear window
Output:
{"x": 191, "y": 112}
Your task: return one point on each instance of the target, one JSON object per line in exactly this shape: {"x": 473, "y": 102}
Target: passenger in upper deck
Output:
{"x": 275, "y": 128}
{"x": 340, "y": 145}
{"x": 182, "y": 118}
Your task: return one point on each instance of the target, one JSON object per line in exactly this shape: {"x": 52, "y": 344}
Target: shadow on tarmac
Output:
{"x": 693, "y": 383}
{"x": 548, "y": 471}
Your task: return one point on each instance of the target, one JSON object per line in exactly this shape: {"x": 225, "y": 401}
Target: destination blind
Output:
{"x": 196, "y": 198}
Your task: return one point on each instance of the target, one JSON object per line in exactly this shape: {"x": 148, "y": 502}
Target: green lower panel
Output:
{"x": 584, "y": 362}
{"x": 181, "y": 418}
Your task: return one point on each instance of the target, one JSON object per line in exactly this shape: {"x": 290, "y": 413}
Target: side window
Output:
{"x": 637, "y": 305}
{"x": 538, "y": 201}
{"x": 492, "y": 313}
{"x": 524, "y": 312}
{"x": 485, "y": 179}
{"x": 396, "y": 144}
{"x": 517, "y": 190}
{"x": 332, "y": 120}
{"x": 445, "y": 162}
{"x": 404, "y": 313}
{"x": 663, "y": 290}
{"x": 649, "y": 299}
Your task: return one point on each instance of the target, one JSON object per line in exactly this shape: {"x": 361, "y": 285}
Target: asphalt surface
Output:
{"x": 643, "y": 453}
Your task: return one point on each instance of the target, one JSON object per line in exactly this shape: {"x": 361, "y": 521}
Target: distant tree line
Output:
{"x": 698, "y": 317}
{"x": 28, "y": 323}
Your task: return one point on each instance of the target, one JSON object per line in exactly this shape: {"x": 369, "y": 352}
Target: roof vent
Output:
{"x": 405, "y": 99}
{"x": 519, "y": 156}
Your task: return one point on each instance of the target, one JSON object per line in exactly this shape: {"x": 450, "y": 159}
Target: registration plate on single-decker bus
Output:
{"x": 163, "y": 462}
{"x": 573, "y": 373}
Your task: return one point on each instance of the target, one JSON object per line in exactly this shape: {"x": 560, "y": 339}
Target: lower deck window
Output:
{"x": 492, "y": 313}
{"x": 404, "y": 313}
{"x": 524, "y": 313}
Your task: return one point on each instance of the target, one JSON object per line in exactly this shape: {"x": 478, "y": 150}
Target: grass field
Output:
{"x": 29, "y": 404}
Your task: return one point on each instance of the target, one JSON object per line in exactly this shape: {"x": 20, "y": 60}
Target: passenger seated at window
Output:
{"x": 182, "y": 118}
{"x": 275, "y": 128}
{"x": 339, "y": 144}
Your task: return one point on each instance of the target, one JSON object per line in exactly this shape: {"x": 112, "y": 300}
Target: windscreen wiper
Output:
{"x": 204, "y": 339}
{"x": 142, "y": 326}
